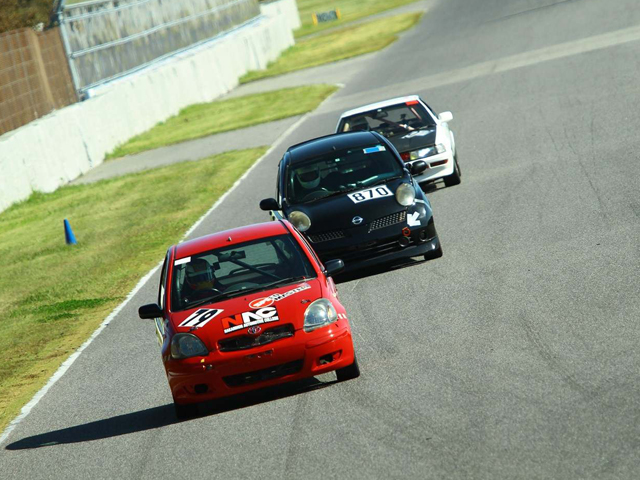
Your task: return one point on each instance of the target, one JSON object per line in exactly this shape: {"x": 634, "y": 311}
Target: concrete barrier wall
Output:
{"x": 56, "y": 149}
{"x": 289, "y": 9}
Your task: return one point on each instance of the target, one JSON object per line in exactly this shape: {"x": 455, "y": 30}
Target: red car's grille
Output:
{"x": 243, "y": 342}
{"x": 270, "y": 373}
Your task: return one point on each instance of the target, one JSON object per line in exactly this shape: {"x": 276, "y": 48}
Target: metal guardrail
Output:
{"x": 108, "y": 39}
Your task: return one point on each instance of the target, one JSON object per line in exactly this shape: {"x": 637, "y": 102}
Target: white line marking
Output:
{"x": 512, "y": 62}
{"x": 69, "y": 361}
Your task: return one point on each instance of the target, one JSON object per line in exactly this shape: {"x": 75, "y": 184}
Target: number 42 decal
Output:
{"x": 370, "y": 194}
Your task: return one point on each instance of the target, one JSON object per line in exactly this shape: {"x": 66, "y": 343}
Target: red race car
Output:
{"x": 245, "y": 309}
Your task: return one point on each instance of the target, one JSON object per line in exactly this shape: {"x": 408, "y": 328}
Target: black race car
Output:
{"x": 353, "y": 198}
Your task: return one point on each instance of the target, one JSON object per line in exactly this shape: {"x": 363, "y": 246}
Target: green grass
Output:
{"x": 53, "y": 296}
{"x": 350, "y": 10}
{"x": 337, "y": 45}
{"x": 200, "y": 120}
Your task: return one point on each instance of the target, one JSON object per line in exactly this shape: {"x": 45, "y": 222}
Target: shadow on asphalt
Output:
{"x": 377, "y": 270}
{"x": 158, "y": 417}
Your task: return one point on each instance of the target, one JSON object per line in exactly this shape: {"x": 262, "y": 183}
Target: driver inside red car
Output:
{"x": 200, "y": 282}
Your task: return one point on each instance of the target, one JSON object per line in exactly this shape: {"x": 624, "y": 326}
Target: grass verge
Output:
{"x": 350, "y": 10}
{"x": 53, "y": 296}
{"x": 338, "y": 45}
{"x": 202, "y": 119}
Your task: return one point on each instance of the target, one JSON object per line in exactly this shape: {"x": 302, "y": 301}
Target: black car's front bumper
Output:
{"x": 360, "y": 249}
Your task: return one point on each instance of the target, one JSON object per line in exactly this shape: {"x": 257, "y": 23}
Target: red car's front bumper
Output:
{"x": 220, "y": 374}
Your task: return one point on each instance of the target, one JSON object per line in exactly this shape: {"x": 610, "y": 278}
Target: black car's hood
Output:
{"x": 414, "y": 140}
{"x": 338, "y": 212}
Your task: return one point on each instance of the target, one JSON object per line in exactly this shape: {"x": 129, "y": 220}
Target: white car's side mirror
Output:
{"x": 445, "y": 116}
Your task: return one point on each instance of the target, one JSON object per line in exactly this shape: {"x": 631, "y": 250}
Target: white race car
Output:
{"x": 416, "y": 132}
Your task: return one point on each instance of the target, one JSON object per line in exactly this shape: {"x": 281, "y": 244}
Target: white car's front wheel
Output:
{"x": 454, "y": 178}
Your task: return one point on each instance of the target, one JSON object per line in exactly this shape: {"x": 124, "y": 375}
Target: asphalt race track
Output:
{"x": 515, "y": 355}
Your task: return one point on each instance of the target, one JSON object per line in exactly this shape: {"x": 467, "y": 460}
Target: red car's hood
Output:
{"x": 278, "y": 306}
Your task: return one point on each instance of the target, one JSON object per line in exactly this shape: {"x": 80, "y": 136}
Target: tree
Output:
{"x": 16, "y": 14}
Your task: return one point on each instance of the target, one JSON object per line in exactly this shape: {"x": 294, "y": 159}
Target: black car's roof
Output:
{"x": 337, "y": 141}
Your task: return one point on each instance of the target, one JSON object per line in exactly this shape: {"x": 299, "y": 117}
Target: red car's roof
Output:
{"x": 236, "y": 235}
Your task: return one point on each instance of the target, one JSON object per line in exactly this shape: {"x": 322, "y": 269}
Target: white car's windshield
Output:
{"x": 389, "y": 121}
{"x": 340, "y": 172}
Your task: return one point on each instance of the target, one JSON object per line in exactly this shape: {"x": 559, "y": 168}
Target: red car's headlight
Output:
{"x": 186, "y": 345}
{"x": 318, "y": 314}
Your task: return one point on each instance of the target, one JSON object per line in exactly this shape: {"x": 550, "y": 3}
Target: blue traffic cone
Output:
{"x": 69, "y": 237}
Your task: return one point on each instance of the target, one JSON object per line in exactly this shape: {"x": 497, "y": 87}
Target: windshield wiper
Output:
{"x": 384, "y": 180}
{"x": 266, "y": 286}
{"x": 205, "y": 300}
{"x": 284, "y": 281}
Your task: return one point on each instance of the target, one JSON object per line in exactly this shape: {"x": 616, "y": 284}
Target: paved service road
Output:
{"x": 513, "y": 356}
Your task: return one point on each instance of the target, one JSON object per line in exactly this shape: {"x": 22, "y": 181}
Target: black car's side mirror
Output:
{"x": 152, "y": 310}
{"x": 333, "y": 266}
{"x": 269, "y": 204}
{"x": 418, "y": 167}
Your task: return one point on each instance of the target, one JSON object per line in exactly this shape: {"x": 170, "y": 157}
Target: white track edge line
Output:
{"x": 69, "y": 361}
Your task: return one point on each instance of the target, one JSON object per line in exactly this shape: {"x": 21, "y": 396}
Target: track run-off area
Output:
{"x": 515, "y": 355}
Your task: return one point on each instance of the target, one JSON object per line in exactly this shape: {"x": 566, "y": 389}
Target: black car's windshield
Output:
{"x": 340, "y": 171}
{"x": 237, "y": 270}
{"x": 390, "y": 121}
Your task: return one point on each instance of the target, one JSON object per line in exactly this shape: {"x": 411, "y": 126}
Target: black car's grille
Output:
{"x": 388, "y": 220}
{"x": 242, "y": 342}
{"x": 326, "y": 236}
{"x": 270, "y": 373}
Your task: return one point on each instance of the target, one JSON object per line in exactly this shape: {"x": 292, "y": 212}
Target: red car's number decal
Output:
{"x": 200, "y": 317}
{"x": 248, "y": 319}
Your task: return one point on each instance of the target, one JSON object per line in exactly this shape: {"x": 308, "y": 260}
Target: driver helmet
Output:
{"x": 199, "y": 274}
{"x": 309, "y": 177}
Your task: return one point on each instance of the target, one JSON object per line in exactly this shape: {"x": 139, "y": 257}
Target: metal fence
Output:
{"x": 34, "y": 77}
{"x": 107, "y": 39}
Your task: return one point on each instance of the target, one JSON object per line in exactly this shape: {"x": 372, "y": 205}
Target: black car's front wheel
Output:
{"x": 454, "y": 178}
{"x": 349, "y": 372}
{"x": 437, "y": 253}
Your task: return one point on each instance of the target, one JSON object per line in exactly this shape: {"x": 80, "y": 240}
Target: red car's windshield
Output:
{"x": 237, "y": 270}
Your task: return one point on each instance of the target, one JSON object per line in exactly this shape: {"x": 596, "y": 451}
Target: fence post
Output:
{"x": 67, "y": 49}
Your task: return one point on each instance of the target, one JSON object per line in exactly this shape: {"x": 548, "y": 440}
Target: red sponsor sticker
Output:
{"x": 261, "y": 303}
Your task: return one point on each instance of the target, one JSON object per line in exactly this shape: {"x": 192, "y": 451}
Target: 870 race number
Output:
{"x": 370, "y": 194}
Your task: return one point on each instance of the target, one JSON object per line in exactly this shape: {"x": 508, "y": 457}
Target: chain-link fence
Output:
{"x": 34, "y": 77}
{"x": 107, "y": 39}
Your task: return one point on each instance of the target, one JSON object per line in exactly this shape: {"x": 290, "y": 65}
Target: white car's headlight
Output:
{"x": 319, "y": 314}
{"x": 427, "y": 152}
{"x": 405, "y": 194}
{"x": 186, "y": 345}
{"x": 300, "y": 220}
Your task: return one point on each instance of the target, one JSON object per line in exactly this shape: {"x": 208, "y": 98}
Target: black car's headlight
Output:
{"x": 319, "y": 314}
{"x": 427, "y": 152}
{"x": 300, "y": 220}
{"x": 186, "y": 345}
{"x": 405, "y": 194}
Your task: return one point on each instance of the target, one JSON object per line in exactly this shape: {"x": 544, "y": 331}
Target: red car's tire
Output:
{"x": 350, "y": 372}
